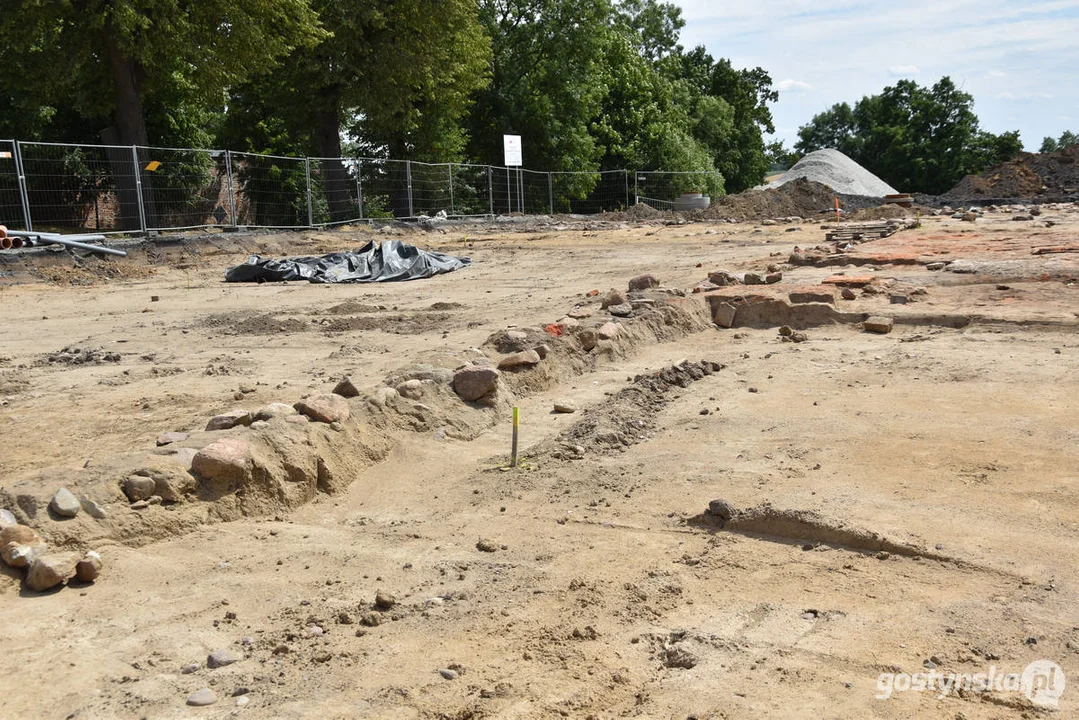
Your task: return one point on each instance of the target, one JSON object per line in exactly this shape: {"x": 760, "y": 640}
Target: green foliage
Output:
{"x": 918, "y": 139}
{"x": 1066, "y": 140}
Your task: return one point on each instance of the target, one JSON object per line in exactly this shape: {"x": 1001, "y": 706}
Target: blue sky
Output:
{"x": 1018, "y": 58}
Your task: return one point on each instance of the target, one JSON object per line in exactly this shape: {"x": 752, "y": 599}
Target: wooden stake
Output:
{"x": 516, "y": 422}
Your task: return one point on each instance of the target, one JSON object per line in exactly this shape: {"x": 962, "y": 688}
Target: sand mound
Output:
{"x": 837, "y": 171}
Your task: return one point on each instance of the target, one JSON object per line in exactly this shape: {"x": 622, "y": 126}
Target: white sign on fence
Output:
{"x": 514, "y": 154}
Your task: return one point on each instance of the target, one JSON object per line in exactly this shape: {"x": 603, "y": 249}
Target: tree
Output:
{"x": 916, "y": 138}
{"x": 1067, "y": 139}
{"x": 108, "y": 60}
{"x": 397, "y": 75}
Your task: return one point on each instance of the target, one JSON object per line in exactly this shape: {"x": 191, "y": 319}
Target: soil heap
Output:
{"x": 1028, "y": 176}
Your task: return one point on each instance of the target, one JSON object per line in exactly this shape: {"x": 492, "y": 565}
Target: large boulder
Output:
{"x": 523, "y": 359}
{"x": 228, "y": 420}
{"x": 227, "y": 459}
{"x": 48, "y": 571}
{"x": 643, "y": 282}
{"x": 474, "y": 382}
{"x": 19, "y": 545}
{"x": 325, "y": 407}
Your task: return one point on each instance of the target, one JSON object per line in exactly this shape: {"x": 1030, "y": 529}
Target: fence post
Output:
{"x": 232, "y": 188}
{"x": 359, "y": 186}
{"x": 138, "y": 186}
{"x": 550, "y": 192}
{"x": 626, "y": 177}
{"x": 310, "y": 205}
{"x": 491, "y": 189}
{"x": 636, "y": 189}
{"x": 408, "y": 177}
{"x": 23, "y": 195}
{"x": 450, "y": 168}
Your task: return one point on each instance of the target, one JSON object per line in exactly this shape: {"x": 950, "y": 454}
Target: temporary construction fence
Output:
{"x": 125, "y": 189}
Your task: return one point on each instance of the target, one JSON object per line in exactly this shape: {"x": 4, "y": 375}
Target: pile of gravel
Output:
{"x": 837, "y": 171}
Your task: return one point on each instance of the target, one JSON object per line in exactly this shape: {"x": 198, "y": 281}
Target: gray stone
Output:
{"x": 7, "y": 519}
{"x": 543, "y": 351}
{"x": 581, "y": 313}
{"x": 48, "y": 571}
{"x": 643, "y": 282}
{"x": 139, "y": 487}
{"x": 221, "y": 658}
{"x": 346, "y": 388}
{"x": 473, "y": 382}
{"x": 384, "y": 600}
{"x": 623, "y": 310}
{"x": 588, "y": 339}
{"x": 525, "y": 358}
{"x": 799, "y": 298}
{"x": 848, "y": 294}
{"x": 169, "y": 438}
{"x": 487, "y": 545}
{"x": 721, "y": 509}
{"x": 325, "y": 407}
{"x": 202, "y": 698}
{"x": 140, "y": 504}
{"x": 722, "y": 278}
{"x": 64, "y": 503}
{"x": 565, "y": 406}
{"x": 725, "y": 315}
{"x": 275, "y": 410}
{"x": 609, "y": 331}
{"x": 773, "y": 277}
{"x": 448, "y": 674}
{"x": 190, "y": 668}
{"x": 786, "y": 330}
{"x": 935, "y": 266}
{"x": 752, "y": 279}
{"x": 881, "y": 325}
{"x": 411, "y": 389}
{"x": 87, "y": 569}
{"x": 613, "y": 297}
{"x": 228, "y": 420}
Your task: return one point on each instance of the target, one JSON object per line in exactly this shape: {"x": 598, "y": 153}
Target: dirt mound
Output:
{"x": 799, "y": 197}
{"x": 1030, "y": 175}
{"x": 640, "y": 211}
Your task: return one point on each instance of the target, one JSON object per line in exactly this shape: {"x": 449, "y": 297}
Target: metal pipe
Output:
{"x": 71, "y": 241}
{"x": 16, "y": 242}
{"x": 5, "y": 243}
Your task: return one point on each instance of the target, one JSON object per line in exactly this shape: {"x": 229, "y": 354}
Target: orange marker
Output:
{"x": 837, "y": 208}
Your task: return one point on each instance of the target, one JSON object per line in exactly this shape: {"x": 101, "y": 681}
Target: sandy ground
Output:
{"x": 607, "y": 595}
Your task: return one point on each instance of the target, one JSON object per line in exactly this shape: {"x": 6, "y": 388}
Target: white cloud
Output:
{"x": 793, "y": 86}
{"x": 903, "y": 69}
{"x": 996, "y": 74}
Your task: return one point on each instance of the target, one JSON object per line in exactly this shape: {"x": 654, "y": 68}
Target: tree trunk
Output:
{"x": 335, "y": 178}
{"x": 130, "y": 129}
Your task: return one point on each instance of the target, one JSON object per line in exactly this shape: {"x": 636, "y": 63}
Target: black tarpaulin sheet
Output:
{"x": 389, "y": 261}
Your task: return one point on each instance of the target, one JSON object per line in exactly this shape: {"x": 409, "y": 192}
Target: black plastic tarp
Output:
{"x": 386, "y": 262}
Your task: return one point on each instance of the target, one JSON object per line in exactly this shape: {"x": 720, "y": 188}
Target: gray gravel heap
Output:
{"x": 837, "y": 171}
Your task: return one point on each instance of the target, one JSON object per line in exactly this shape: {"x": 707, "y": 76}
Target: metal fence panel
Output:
{"x": 471, "y": 190}
{"x": 661, "y": 189}
{"x": 431, "y": 189}
{"x": 588, "y": 193}
{"x": 384, "y": 184}
{"x": 271, "y": 191}
{"x": 335, "y": 192}
{"x": 184, "y": 188}
{"x": 12, "y": 214}
{"x": 81, "y": 187}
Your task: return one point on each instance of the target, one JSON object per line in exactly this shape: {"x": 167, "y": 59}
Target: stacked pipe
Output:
{"x": 14, "y": 239}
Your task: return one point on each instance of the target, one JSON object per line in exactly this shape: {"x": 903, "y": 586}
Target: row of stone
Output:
{"x": 22, "y": 547}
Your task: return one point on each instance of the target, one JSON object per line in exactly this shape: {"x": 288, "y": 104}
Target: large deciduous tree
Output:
{"x": 922, "y": 139}
{"x": 108, "y": 60}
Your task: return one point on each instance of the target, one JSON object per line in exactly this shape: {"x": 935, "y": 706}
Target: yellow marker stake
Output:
{"x": 837, "y": 208}
{"x": 513, "y": 450}
{"x": 152, "y": 166}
